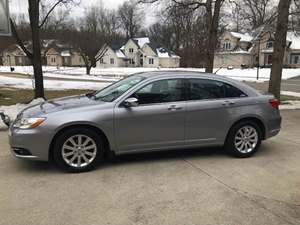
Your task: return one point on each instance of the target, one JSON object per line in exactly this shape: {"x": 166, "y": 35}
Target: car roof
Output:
{"x": 163, "y": 73}
{"x": 204, "y": 75}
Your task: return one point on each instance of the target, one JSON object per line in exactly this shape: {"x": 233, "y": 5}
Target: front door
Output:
{"x": 157, "y": 122}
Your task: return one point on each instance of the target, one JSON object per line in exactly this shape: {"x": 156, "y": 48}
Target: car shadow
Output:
{"x": 111, "y": 161}
{"x": 119, "y": 160}
{"x": 164, "y": 155}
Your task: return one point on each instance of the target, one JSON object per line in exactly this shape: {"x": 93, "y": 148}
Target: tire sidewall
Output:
{"x": 57, "y": 153}
{"x": 230, "y": 146}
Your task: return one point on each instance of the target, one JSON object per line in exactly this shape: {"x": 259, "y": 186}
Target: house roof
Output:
{"x": 141, "y": 41}
{"x": 64, "y": 49}
{"x": 294, "y": 39}
{"x": 118, "y": 49}
{"x": 239, "y": 50}
{"x": 243, "y": 37}
{"x": 158, "y": 50}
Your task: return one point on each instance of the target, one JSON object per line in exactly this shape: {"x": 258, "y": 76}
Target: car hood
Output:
{"x": 59, "y": 104}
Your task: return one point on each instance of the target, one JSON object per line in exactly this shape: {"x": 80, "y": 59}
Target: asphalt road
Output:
{"x": 187, "y": 187}
{"x": 286, "y": 85}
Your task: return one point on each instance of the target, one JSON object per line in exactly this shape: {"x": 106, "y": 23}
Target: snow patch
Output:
{"x": 295, "y": 39}
{"x": 243, "y": 37}
{"x": 290, "y": 105}
{"x": 13, "y": 110}
{"x": 109, "y": 75}
{"x": 290, "y": 93}
{"x": 142, "y": 41}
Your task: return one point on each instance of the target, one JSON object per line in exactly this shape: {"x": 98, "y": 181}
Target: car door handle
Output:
{"x": 228, "y": 103}
{"x": 174, "y": 107}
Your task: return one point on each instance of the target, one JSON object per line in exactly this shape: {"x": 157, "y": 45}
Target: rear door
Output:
{"x": 210, "y": 110}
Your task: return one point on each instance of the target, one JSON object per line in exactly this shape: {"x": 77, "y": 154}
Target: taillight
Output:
{"x": 274, "y": 103}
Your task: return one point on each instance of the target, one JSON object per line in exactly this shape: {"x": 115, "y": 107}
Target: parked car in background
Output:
{"x": 148, "y": 111}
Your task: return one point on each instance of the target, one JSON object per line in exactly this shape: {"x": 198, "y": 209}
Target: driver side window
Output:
{"x": 161, "y": 91}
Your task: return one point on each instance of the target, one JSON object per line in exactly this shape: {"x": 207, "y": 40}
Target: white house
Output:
{"x": 249, "y": 50}
{"x": 235, "y": 50}
{"x": 138, "y": 52}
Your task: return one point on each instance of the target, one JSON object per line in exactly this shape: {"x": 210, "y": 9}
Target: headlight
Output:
{"x": 28, "y": 123}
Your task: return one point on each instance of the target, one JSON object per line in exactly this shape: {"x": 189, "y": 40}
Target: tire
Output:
{"x": 241, "y": 146}
{"x": 73, "y": 157}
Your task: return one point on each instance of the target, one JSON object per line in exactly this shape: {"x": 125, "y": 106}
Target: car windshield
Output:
{"x": 115, "y": 90}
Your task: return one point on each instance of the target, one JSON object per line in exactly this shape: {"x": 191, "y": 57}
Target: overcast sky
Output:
{"x": 21, "y": 6}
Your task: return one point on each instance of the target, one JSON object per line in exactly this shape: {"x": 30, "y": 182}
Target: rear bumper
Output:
{"x": 273, "y": 127}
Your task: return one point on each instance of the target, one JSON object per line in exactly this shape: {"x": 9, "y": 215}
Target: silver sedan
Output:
{"x": 149, "y": 111}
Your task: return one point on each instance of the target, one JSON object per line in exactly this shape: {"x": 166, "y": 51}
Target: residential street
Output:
{"x": 184, "y": 187}
{"x": 292, "y": 84}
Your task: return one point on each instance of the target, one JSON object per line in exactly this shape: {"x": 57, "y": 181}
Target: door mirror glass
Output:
{"x": 131, "y": 102}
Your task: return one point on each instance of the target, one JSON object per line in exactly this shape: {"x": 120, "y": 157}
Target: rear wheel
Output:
{"x": 244, "y": 139}
{"x": 78, "y": 150}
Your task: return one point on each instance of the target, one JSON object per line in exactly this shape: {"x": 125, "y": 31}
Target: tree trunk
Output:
{"x": 212, "y": 21}
{"x": 210, "y": 52}
{"x": 88, "y": 69}
{"x": 36, "y": 47}
{"x": 279, "y": 48}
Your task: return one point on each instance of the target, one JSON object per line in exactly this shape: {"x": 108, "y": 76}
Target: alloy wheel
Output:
{"x": 79, "y": 151}
{"x": 246, "y": 139}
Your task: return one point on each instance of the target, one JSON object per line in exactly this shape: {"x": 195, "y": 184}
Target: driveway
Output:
{"x": 187, "y": 187}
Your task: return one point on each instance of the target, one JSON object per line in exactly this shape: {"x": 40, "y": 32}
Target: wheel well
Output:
{"x": 254, "y": 120}
{"x": 96, "y": 129}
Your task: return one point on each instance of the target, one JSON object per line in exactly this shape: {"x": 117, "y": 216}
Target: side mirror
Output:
{"x": 131, "y": 102}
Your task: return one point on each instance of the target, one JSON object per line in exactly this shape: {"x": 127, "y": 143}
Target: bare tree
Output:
{"x": 34, "y": 54}
{"x": 97, "y": 29}
{"x": 212, "y": 18}
{"x": 258, "y": 12}
{"x": 279, "y": 47}
{"x": 131, "y": 18}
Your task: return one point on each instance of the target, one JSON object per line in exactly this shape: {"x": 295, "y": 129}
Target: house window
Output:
{"x": 131, "y": 50}
{"x": 53, "y": 60}
{"x": 227, "y": 45}
{"x": 112, "y": 61}
{"x": 295, "y": 59}
{"x": 131, "y": 61}
{"x": 269, "y": 44}
{"x": 151, "y": 61}
{"x": 101, "y": 61}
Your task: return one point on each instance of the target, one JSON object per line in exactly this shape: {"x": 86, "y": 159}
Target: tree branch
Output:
{"x": 104, "y": 50}
{"x": 49, "y": 12}
{"x": 19, "y": 41}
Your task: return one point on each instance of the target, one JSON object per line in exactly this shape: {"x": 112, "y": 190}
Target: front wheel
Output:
{"x": 78, "y": 150}
{"x": 244, "y": 139}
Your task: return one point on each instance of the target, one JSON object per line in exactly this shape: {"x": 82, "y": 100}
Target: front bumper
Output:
{"x": 29, "y": 144}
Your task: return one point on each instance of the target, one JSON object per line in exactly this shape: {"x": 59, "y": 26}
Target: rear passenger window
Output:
{"x": 233, "y": 92}
{"x": 200, "y": 89}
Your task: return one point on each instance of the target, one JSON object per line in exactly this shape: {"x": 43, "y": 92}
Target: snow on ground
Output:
{"x": 290, "y": 105}
{"x": 108, "y": 75}
{"x": 291, "y": 93}
{"x": 52, "y": 84}
{"x": 112, "y": 74}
